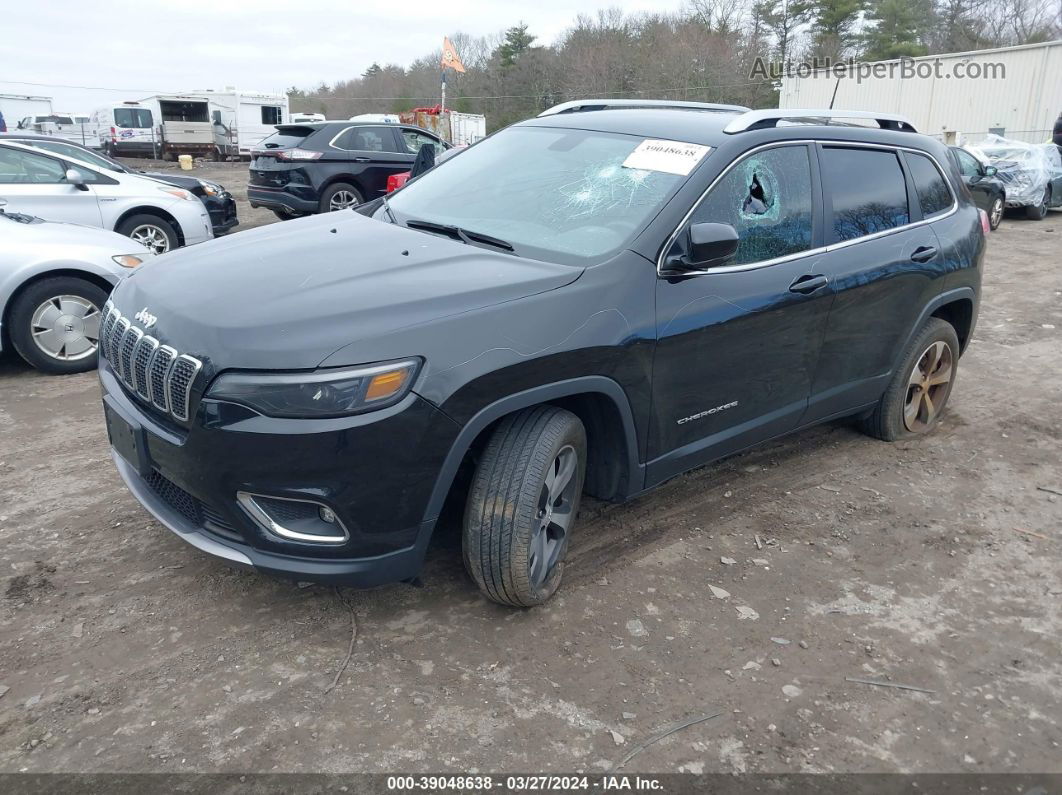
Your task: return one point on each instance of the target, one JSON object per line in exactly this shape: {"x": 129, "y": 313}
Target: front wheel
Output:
{"x": 915, "y": 398}
{"x": 151, "y": 231}
{"x": 55, "y": 324}
{"x": 995, "y": 213}
{"x": 522, "y": 505}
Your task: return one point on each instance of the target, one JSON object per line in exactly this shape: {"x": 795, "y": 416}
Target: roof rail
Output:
{"x": 769, "y": 117}
{"x": 611, "y": 104}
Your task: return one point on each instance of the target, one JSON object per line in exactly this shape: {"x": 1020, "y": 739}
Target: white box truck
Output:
{"x": 242, "y": 119}
{"x": 182, "y": 124}
{"x": 459, "y": 129}
{"x": 16, "y": 107}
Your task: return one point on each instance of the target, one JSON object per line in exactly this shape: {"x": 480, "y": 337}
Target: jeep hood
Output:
{"x": 287, "y": 295}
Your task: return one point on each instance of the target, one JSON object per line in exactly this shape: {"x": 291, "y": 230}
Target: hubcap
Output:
{"x": 151, "y": 236}
{"x": 553, "y": 517}
{"x": 997, "y": 212}
{"x": 927, "y": 387}
{"x": 66, "y": 327}
{"x": 341, "y": 200}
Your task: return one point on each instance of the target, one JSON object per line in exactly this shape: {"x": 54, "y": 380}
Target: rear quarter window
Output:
{"x": 866, "y": 191}
{"x": 933, "y": 193}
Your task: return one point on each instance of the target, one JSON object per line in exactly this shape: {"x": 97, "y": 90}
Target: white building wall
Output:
{"x": 1025, "y": 103}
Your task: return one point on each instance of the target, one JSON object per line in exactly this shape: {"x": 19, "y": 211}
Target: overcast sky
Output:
{"x": 142, "y": 47}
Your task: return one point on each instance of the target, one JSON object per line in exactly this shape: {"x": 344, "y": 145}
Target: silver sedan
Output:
{"x": 54, "y": 281}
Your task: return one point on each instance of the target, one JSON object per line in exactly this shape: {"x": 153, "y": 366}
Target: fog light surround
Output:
{"x": 294, "y": 519}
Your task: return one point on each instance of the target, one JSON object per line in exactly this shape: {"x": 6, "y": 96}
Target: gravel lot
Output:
{"x": 934, "y": 564}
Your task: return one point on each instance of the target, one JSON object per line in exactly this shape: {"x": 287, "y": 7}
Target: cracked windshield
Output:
{"x": 554, "y": 194}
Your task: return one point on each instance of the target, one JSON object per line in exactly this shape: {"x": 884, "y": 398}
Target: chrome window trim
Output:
{"x": 748, "y": 266}
{"x": 335, "y": 137}
{"x": 246, "y": 500}
{"x": 197, "y": 365}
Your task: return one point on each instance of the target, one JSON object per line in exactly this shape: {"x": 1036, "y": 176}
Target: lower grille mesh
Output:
{"x": 198, "y": 513}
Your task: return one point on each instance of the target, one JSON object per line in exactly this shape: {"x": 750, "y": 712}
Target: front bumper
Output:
{"x": 376, "y": 471}
{"x": 222, "y": 211}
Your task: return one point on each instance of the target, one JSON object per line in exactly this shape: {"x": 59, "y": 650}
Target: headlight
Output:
{"x": 127, "y": 260}
{"x": 326, "y": 393}
{"x": 180, "y": 193}
{"x": 211, "y": 188}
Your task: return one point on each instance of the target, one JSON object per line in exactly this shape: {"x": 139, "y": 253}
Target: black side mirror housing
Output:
{"x": 708, "y": 245}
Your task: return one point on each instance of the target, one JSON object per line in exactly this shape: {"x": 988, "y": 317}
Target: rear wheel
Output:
{"x": 151, "y": 231}
{"x": 55, "y": 324}
{"x": 915, "y": 398}
{"x": 1037, "y": 212}
{"x": 995, "y": 213}
{"x": 340, "y": 196}
{"x": 522, "y": 505}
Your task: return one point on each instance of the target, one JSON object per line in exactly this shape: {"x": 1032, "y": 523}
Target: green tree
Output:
{"x": 899, "y": 28}
{"x": 517, "y": 42}
{"x": 372, "y": 71}
{"x": 833, "y": 25}
{"x": 781, "y": 18}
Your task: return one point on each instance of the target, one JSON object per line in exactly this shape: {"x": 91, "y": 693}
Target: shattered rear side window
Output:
{"x": 767, "y": 198}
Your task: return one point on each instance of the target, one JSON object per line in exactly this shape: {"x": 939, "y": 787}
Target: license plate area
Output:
{"x": 127, "y": 437}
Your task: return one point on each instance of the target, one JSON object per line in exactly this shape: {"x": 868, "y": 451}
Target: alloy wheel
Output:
{"x": 554, "y": 516}
{"x": 927, "y": 387}
{"x": 151, "y": 236}
{"x": 997, "y": 213}
{"x": 341, "y": 200}
{"x": 66, "y": 327}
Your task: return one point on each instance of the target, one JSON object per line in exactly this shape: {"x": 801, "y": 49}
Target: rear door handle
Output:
{"x": 808, "y": 283}
{"x": 924, "y": 254}
{"x": 361, "y": 159}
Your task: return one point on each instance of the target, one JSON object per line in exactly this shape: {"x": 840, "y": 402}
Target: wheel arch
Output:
{"x": 31, "y": 279}
{"x": 346, "y": 178}
{"x": 614, "y": 470}
{"x": 156, "y": 211}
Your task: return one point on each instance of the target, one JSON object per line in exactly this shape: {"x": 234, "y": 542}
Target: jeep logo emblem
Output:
{"x": 146, "y": 318}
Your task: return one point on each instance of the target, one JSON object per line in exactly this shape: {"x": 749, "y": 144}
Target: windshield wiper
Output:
{"x": 456, "y": 232}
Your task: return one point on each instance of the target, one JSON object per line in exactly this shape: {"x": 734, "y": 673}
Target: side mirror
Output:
{"x": 990, "y": 171}
{"x": 76, "y": 178}
{"x": 708, "y": 245}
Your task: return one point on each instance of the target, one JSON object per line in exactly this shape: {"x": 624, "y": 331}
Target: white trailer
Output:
{"x": 16, "y": 107}
{"x": 182, "y": 124}
{"x": 241, "y": 119}
{"x": 459, "y": 129}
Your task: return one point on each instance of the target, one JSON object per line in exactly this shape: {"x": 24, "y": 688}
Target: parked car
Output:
{"x": 314, "y": 168}
{"x": 987, "y": 190}
{"x": 1031, "y": 173}
{"x": 219, "y": 203}
{"x": 651, "y": 287}
{"x": 54, "y": 281}
{"x": 161, "y": 217}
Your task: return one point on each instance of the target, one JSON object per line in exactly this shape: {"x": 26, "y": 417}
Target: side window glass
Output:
{"x": 867, "y": 190}
{"x": 365, "y": 139}
{"x": 932, "y": 190}
{"x": 17, "y": 167}
{"x": 415, "y": 140}
{"x": 767, "y": 198}
{"x": 967, "y": 164}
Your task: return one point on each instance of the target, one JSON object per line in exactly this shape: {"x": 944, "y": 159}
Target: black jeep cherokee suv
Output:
{"x": 303, "y": 169}
{"x": 651, "y": 287}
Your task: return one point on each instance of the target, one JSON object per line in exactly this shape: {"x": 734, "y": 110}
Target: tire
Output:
{"x": 1037, "y": 212}
{"x": 995, "y": 213}
{"x": 152, "y": 231}
{"x": 51, "y": 339}
{"x": 890, "y": 420}
{"x": 513, "y": 541}
{"x": 339, "y": 193}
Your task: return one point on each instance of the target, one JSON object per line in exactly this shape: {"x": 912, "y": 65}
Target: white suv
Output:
{"x": 159, "y": 216}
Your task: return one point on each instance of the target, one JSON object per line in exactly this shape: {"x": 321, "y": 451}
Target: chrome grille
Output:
{"x": 155, "y": 373}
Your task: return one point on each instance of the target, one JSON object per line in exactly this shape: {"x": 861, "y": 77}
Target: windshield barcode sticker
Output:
{"x": 671, "y": 157}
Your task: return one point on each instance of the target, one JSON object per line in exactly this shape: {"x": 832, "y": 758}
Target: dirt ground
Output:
{"x": 755, "y": 589}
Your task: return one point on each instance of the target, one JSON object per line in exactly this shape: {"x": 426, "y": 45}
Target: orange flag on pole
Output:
{"x": 449, "y": 56}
